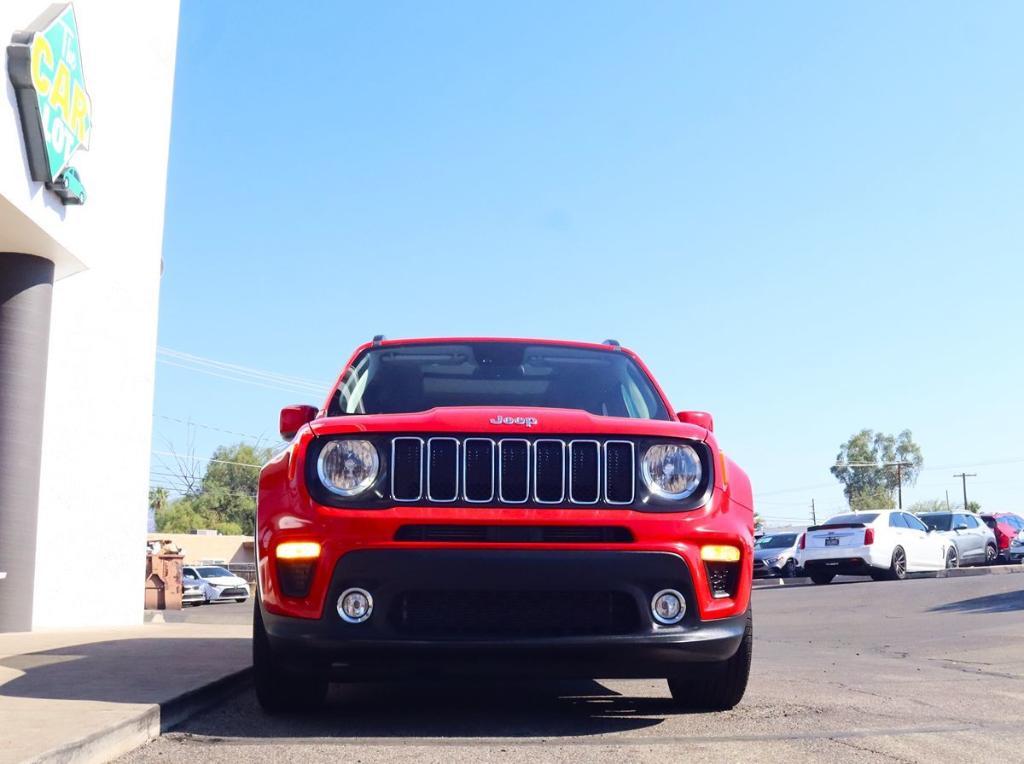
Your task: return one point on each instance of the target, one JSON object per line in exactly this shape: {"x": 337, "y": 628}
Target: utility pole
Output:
{"x": 814, "y": 517}
{"x": 899, "y": 480}
{"x": 963, "y": 476}
{"x": 947, "y": 500}
{"x": 899, "y": 472}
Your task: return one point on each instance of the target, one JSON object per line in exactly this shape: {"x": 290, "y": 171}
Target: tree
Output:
{"x": 929, "y": 505}
{"x": 224, "y": 499}
{"x": 865, "y": 465}
{"x": 158, "y": 498}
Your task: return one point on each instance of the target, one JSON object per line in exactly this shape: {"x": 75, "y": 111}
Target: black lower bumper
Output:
{"x": 843, "y": 566}
{"x": 500, "y": 614}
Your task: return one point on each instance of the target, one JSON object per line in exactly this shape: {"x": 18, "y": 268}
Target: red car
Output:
{"x": 501, "y": 507}
{"x": 1006, "y": 526}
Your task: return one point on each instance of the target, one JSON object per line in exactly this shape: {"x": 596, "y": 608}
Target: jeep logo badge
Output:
{"x": 529, "y": 421}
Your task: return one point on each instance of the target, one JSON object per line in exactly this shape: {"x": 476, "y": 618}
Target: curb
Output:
{"x": 128, "y": 734}
{"x": 992, "y": 570}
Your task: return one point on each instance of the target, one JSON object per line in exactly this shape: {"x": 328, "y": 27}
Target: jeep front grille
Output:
{"x": 511, "y": 471}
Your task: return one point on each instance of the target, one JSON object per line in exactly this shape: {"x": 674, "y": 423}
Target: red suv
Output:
{"x": 1006, "y": 526}
{"x": 501, "y": 507}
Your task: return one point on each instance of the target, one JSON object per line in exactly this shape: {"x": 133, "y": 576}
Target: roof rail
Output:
{"x": 612, "y": 343}
{"x": 377, "y": 339}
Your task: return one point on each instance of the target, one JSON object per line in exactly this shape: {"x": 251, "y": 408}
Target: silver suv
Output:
{"x": 972, "y": 541}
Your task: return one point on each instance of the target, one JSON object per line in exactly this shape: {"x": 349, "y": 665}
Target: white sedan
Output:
{"x": 883, "y": 544}
{"x": 219, "y": 584}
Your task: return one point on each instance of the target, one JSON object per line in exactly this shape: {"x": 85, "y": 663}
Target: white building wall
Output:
{"x": 98, "y": 420}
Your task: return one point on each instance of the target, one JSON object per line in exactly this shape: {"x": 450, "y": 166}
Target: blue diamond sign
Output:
{"x": 44, "y": 63}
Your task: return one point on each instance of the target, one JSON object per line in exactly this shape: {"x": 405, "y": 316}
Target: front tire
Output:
{"x": 789, "y": 569}
{"x": 898, "y": 566}
{"x": 277, "y": 689}
{"x": 991, "y": 553}
{"x": 822, "y": 578}
{"x": 952, "y": 558}
{"x": 716, "y": 686}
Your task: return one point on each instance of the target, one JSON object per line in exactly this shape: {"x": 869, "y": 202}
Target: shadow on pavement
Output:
{"x": 1004, "y": 602}
{"x": 142, "y": 670}
{"x": 444, "y": 709}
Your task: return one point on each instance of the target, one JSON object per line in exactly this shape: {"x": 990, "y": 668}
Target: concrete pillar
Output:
{"x": 26, "y": 291}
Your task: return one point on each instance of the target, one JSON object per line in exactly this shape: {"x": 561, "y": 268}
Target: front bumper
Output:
{"x": 469, "y": 642}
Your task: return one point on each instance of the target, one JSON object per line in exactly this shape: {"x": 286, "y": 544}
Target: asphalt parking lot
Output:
{"x": 919, "y": 670}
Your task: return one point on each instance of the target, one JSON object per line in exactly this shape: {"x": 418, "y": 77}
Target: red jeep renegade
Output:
{"x": 501, "y": 507}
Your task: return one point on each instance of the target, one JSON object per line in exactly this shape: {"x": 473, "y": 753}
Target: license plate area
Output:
{"x": 832, "y": 541}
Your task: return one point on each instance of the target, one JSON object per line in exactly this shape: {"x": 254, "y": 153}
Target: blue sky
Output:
{"x": 806, "y": 216}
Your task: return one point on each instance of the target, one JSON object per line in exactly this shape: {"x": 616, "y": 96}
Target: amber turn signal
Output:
{"x": 298, "y": 550}
{"x": 717, "y": 553}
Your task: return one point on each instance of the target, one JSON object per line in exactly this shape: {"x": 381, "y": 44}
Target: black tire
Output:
{"x": 898, "y": 566}
{"x": 821, "y": 577}
{"x": 278, "y": 690}
{"x": 716, "y": 686}
{"x": 991, "y": 554}
{"x": 240, "y": 601}
{"x": 789, "y": 569}
{"x": 952, "y": 558}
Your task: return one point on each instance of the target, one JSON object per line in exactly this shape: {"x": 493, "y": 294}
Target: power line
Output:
{"x": 279, "y": 386}
{"x": 191, "y": 423}
{"x": 235, "y": 368}
{"x": 194, "y": 458}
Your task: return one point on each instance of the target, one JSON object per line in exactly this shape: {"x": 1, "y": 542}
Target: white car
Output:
{"x": 883, "y": 544}
{"x": 219, "y": 584}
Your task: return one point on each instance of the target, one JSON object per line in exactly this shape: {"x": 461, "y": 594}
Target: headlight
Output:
{"x": 348, "y": 467}
{"x": 671, "y": 471}
{"x": 770, "y": 560}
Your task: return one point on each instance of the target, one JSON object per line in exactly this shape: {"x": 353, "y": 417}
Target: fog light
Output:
{"x": 719, "y": 553}
{"x": 668, "y": 607}
{"x": 355, "y": 605}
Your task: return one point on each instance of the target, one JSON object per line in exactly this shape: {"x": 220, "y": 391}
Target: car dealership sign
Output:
{"x": 44, "y": 63}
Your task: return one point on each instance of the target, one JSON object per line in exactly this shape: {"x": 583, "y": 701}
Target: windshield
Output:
{"x": 937, "y": 522}
{"x": 858, "y": 517}
{"x": 778, "y": 541}
{"x": 214, "y": 572}
{"x": 408, "y": 378}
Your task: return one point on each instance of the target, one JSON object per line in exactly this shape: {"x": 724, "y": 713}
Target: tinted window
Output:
{"x": 989, "y": 521}
{"x": 399, "y": 379}
{"x": 856, "y": 517}
{"x": 938, "y": 521}
{"x": 971, "y": 521}
{"x": 778, "y": 541}
{"x": 913, "y": 523}
{"x": 896, "y": 520}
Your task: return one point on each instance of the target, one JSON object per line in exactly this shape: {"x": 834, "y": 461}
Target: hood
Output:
{"x": 499, "y": 420}
{"x": 761, "y": 554}
{"x": 225, "y": 580}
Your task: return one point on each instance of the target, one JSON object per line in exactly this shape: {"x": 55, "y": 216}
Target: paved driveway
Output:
{"x": 922, "y": 670}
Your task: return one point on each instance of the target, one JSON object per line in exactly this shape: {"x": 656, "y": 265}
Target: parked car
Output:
{"x": 775, "y": 555}
{"x": 883, "y": 544}
{"x": 501, "y": 507}
{"x": 1016, "y": 551}
{"x": 1005, "y": 526}
{"x": 193, "y": 590}
{"x": 1009, "y": 528}
{"x": 219, "y": 584}
{"x": 973, "y": 542}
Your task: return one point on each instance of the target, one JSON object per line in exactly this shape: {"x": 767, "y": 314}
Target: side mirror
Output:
{"x": 293, "y": 417}
{"x": 699, "y": 418}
